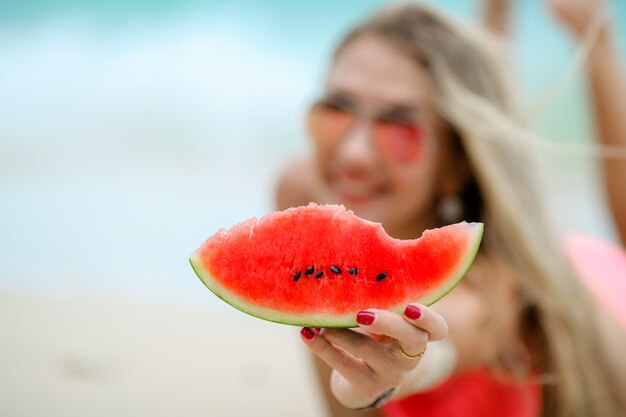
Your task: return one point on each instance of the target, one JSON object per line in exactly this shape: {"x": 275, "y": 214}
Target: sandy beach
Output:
{"x": 90, "y": 356}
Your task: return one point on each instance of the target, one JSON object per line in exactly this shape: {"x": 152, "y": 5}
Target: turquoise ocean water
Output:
{"x": 131, "y": 131}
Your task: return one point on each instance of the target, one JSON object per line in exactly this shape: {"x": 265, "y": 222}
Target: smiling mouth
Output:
{"x": 350, "y": 199}
{"x": 357, "y": 192}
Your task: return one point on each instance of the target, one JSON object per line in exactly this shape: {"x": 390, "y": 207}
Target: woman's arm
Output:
{"x": 607, "y": 82}
{"x": 496, "y": 16}
{"x": 608, "y": 90}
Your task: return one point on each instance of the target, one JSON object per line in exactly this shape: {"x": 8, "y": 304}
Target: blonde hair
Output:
{"x": 474, "y": 96}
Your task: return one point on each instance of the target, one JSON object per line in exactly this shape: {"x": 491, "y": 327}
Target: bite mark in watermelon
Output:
{"x": 318, "y": 265}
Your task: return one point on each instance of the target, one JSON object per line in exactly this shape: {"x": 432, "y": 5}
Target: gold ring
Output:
{"x": 406, "y": 355}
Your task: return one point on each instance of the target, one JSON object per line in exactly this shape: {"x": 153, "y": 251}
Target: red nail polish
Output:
{"x": 307, "y": 333}
{"x": 365, "y": 317}
{"x": 318, "y": 329}
{"x": 412, "y": 312}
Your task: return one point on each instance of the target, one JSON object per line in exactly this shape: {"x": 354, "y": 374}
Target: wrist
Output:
{"x": 436, "y": 366}
{"x": 380, "y": 400}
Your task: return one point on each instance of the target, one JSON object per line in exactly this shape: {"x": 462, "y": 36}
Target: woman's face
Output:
{"x": 391, "y": 171}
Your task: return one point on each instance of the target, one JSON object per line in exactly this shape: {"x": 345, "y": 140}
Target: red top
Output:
{"x": 473, "y": 394}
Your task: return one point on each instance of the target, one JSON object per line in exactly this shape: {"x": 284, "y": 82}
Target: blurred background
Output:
{"x": 130, "y": 131}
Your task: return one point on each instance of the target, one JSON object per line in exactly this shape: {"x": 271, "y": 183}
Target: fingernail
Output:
{"x": 307, "y": 333}
{"x": 412, "y": 312}
{"x": 318, "y": 329}
{"x": 365, "y": 317}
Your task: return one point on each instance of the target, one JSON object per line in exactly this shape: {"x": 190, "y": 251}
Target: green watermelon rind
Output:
{"x": 261, "y": 312}
{"x": 334, "y": 320}
{"x": 459, "y": 273}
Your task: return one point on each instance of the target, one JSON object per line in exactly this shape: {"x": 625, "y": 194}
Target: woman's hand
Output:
{"x": 577, "y": 15}
{"x": 377, "y": 356}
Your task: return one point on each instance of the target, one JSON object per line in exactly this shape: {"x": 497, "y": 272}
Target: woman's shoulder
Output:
{"x": 295, "y": 186}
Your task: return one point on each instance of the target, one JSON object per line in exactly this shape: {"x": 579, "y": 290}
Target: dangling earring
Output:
{"x": 450, "y": 209}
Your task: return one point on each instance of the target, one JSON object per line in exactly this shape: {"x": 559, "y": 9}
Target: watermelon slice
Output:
{"x": 318, "y": 265}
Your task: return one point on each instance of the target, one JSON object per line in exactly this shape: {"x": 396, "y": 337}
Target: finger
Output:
{"x": 352, "y": 369}
{"x": 426, "y": 319}
{"x": 375, "y": 355}
{"x": 412, "y": 338}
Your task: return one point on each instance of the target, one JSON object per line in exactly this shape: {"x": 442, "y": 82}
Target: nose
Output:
{"x": 357, "y": 147}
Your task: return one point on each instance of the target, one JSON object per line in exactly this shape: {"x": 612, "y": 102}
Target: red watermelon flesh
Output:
{"x": 318, "y": 265}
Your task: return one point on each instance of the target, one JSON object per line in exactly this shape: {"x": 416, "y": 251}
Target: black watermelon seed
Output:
{"x": 381, "y": 276}
{"x": 335, "y": 269}
{"x": 309, "y": 271}
{"x": 353, "y": 271}
{"x": 319, "y": 274}
{"x": 297, "y": 276}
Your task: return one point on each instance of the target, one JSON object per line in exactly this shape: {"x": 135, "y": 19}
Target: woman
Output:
{"x": 417, "y": 129}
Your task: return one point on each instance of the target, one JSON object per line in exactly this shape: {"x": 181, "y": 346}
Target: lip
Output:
{"x": 351, "y": 200}
{"x": 351, "y": 192}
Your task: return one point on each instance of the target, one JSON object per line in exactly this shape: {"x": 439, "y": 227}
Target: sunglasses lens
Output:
{"x": 328, "y": 123}
{"x": 399, "y": 141}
